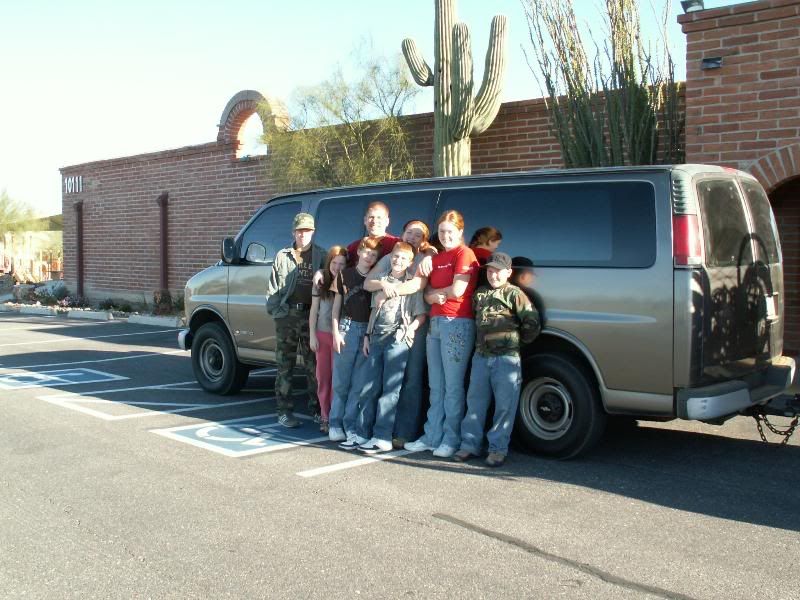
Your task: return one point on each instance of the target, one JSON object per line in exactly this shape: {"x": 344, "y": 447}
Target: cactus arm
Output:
{"x": 420, "y": 70}
{"x": 462, "y": 83}
{"x": 487, "y": 102}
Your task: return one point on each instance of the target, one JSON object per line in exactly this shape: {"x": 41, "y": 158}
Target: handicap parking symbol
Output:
{"x": 29, "y": 379}
{"x": 247, "y": 436}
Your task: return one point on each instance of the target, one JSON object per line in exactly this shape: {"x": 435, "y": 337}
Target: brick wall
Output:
{"x": 746, "y": 114}
{"x": 212, "y": 194}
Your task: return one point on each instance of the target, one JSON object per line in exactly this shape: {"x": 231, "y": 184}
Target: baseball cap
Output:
{"x": 303, "y": 221}
{"x": 522, "y": 262}
{"x": 499, "y": 260}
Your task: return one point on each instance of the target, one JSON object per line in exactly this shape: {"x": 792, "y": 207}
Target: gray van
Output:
{"x": 661, "y": 289}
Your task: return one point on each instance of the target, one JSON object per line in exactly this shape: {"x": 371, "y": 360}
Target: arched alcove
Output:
{"x": 244, "y": 106}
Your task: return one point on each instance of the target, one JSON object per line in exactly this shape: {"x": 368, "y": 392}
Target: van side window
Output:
{"x": 340, "y": 220}
{"x": 727, "y": 236}
{"x": 272, "y": 228}
{"x": 766, "y": 233}
{"x": 587, "y": 224}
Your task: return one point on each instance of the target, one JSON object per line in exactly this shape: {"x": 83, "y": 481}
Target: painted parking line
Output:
{"x": 80, "y": 402}
{"x": 95, "y": 337}
{"x": 98, "y": 360}
{"x": 247, "y": 436}
{"x": 358, "y": 462}
{"x": 29, "y": 379}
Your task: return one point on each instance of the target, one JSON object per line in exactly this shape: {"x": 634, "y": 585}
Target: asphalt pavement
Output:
{"x": 120, "y": 477}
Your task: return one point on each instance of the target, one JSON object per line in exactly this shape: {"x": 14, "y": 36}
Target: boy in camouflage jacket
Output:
{"x": 505, "y": 320}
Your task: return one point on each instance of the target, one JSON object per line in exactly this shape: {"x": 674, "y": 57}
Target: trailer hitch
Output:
{"x": 785, "y": 405}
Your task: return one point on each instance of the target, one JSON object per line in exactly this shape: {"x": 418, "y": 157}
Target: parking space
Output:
{"x": 114, "y": 454}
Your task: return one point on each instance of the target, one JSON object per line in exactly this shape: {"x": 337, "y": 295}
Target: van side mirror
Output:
{"x": 229, "y": 251}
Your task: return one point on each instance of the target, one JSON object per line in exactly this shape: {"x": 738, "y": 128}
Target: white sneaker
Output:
{"x": 418, "y": 446}
{"x": 375, "y": 445}
{"x": 444, "y": 451}
{"x": 336, "y": 434}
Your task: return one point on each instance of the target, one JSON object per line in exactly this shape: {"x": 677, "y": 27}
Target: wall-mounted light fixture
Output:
{"x": 711, "y": 63}
{"x": 692, "y": 5}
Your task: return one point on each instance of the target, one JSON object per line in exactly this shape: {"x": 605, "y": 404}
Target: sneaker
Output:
{"x": 495, "y": 459}
{"x": 336, "y": 434}
{"x": 418, "y": 446}
{"x": 398, "y": 443}
{"x": 462, "y": 456}
{"x": 375, "y": 445}
{"x": 350, "y": 444}
{"x": 324, "y": 427}
{"x": 444, "y": 451}
{"x": 287, "y": 419}
{"x": 317, "y": 418}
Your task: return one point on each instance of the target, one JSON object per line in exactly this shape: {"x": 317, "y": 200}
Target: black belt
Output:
{"x": 300, "y": 307}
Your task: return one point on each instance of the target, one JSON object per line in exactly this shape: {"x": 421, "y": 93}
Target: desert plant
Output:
{"x": 619, "y": 108}
{"x": 457, "y": 115}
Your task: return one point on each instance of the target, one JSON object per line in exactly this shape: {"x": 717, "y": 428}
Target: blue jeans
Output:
{"x": 409, "y": 408}
{"x": 346, "y": 370}
{"x": 383, "y": 376}
{"x": 503, "y": 376}
{"x": 449, "y": 346}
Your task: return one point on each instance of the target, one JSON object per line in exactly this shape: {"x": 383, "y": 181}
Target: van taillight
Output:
{"x": 687, "y": 245}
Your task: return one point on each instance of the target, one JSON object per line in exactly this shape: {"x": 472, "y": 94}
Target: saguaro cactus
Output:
{"x": 457, "y": 115}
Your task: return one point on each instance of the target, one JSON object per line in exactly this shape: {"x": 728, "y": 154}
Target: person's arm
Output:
{"x": 312, "y": 323}
{"x": 530, "y": 323}
{"x": 338, "y": 340}
{"x": 375, "y": 280}
{"x": 318, "y": 277}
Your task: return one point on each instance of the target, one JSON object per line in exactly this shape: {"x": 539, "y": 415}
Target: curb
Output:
{"x": 92, "y": 315}
{"x": 37, "y": 310}
{"x": 153, "y": 320}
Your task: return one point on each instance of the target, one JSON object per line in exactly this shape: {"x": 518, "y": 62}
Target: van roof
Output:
{"x": 686, "y": 169}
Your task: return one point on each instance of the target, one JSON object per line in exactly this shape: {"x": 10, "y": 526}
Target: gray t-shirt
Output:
{"x": 325, "y": 312}
{"x": 396, "y": 313}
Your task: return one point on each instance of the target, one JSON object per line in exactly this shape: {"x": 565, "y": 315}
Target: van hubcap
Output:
{"x": 546, "y": 408}
{"x": 212, "y": 360}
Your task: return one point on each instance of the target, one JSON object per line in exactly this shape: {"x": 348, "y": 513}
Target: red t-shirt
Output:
{"x": 482, "y": 254}
{"x": 446, "y": 265}
{"x": 387, "y": 244}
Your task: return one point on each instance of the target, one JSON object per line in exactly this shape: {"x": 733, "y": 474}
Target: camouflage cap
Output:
{"x": 499, "y": 260}
{"x": 303, "y": 221}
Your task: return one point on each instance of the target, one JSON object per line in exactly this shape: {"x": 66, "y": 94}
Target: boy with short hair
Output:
{"x": 351, "y": 311}
{"x": 289, "y": 303}
{"x": 390, "y": 334}
{"x": 505, "y": 320}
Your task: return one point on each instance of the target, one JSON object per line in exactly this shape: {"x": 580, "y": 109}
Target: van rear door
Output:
{"x": 742, "y": 274}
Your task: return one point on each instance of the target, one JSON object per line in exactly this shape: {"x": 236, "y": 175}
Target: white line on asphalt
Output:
{"x": 96, "y": 337}
{"x": 99, "y": 360}
{"x": 163, "y": 386}
{"x": 72, "y": 404}
{"x": 353, "y": 463}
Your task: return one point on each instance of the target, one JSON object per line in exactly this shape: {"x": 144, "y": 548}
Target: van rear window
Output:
{"x": 725, "y": 228}
{"x": 588, "y": 224}
{"x": 766, "y": 235}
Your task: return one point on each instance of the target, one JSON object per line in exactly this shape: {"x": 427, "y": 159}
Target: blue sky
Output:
{"x": 86, "y": 80}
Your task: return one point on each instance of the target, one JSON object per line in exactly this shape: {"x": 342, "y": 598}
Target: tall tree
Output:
{"x": 344, "y": 132}
{"x": 15, "y": 215}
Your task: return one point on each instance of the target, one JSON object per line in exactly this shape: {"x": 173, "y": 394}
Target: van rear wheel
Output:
{"x": 214, "y": 361}
{"x": 560, "y": 413}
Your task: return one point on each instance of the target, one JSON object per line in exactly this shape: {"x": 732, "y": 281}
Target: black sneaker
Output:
{"x": 287, "y": 419}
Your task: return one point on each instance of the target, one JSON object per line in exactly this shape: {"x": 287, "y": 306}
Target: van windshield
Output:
{"x": 763, "y": 222}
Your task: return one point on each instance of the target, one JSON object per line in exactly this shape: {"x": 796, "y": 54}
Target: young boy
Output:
{"x": 505, "y": 320}
{"x": 289, "y": 303}
{"x": 351, "y": 309}
{"x": 390, "y": 334}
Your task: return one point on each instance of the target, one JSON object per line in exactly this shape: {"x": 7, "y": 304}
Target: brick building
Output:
{"x": 742, "y": 110}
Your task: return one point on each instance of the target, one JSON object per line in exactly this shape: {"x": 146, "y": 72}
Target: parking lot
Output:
{"x": 121, "y": 477}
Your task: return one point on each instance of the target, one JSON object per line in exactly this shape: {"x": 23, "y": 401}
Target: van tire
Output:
{"x": 560, "y": 414}
{"x": 214, "y": 361}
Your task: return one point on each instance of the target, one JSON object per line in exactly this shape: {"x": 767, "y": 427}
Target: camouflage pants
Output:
{"x": 292, "y": 335}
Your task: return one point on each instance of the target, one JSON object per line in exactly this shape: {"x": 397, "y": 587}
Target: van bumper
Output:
{"x": 731, "y": 397}
{"x": 185, "y": 339}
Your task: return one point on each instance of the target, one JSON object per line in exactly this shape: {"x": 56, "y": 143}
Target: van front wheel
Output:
{"x": 560, "y": 413}
{"x": 214, "y": 361}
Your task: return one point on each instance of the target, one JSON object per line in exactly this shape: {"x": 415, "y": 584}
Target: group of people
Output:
{"x": 368, "y": 317}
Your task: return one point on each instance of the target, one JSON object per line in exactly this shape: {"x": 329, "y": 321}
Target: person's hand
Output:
{"x": 317, "y": 279}
{"x": 389, "y": 290}
{"x": 313, "y": 343}
{"x": 426, "y": 266}
{"x": 441, "y": 297}
{"x": 338, "y": 342}
{"x": 365, "y": 346}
